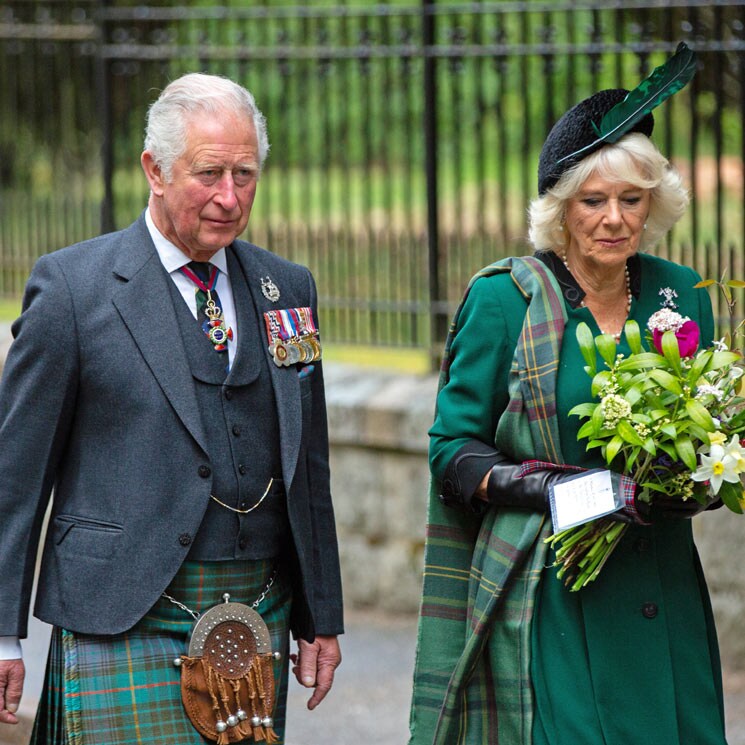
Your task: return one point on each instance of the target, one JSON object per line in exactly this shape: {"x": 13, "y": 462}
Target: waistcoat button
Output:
{"x": 204, "y": 471}
{"x": 236, "y": 430}
{"x": 228, "y": 393}
{"x": 184, "y": 539}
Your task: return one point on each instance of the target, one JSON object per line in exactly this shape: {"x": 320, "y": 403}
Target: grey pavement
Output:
{"x": 370, "y": 698}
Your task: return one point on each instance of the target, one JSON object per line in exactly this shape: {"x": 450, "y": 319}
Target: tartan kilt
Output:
{"x": 125, "y": 690}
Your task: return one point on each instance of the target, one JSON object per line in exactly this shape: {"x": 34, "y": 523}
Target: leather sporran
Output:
{"x": 227, "y": 678}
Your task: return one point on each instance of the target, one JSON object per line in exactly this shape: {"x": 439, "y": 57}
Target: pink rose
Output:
{"x": 688, "y": 336}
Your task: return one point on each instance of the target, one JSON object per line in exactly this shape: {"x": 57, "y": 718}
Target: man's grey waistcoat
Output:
{"x": 98, "y": 402}
{"x": 239, "y": 415}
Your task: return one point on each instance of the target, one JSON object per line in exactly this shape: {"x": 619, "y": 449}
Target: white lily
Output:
{"x": 734, "y": 450}
{"x": 717, "y": 467}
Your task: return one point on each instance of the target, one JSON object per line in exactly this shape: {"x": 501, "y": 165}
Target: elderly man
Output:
{"x": 165, "y": 381}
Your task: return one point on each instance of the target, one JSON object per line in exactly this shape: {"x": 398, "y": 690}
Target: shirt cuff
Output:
{"x": 10, "y": 648}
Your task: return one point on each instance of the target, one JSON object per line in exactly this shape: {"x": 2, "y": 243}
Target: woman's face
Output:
{"x": 605, "y": 222}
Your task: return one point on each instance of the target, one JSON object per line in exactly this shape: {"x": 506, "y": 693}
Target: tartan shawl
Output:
{"x": 472, "y": 671}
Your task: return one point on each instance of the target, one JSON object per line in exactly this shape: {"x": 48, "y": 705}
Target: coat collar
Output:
{"x": 572, "y": 292}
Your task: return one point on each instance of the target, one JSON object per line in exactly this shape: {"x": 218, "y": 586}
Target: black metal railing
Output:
{"x": 405, "y": 135}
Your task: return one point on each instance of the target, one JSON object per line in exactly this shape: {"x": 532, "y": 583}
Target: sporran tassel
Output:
{"x": 228, "y": 689}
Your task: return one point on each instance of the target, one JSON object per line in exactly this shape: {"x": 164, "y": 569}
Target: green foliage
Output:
{"x": 651, "y": 403}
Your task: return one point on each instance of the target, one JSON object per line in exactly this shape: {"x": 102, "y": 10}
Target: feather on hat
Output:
{"x": 606, "y": 116}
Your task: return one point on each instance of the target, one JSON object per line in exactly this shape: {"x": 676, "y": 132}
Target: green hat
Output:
{"x": 608, "y": 115}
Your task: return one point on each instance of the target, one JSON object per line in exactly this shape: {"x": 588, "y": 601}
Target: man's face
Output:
{"x": 207, "y": 201}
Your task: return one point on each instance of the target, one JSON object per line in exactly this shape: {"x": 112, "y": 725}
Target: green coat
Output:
{"x": 634, "y": 657}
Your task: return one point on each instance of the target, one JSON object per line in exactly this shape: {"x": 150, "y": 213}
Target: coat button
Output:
{"x": 229, "y": 393}
{"x": 242, "y": 470}
{"x": 642, "y": 545}
{"x": 236, "y": 430}
{"x": 184, "y": 539}
{"x": 204, "y": 471}
{"x": 649, "y": 610}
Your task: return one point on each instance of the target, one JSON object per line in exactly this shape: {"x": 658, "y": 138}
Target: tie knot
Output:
{"x": 202, "y": 269}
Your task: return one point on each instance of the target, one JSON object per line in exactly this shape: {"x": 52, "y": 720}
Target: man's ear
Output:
{"x": 153, "y": 173}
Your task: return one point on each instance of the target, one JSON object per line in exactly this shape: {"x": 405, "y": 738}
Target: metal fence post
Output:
{"x": 438, "y": 322}
{"x": 106, "y": 120}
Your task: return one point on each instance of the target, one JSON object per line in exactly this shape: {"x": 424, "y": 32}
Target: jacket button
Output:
{"x": 242, "y": 470}
{"x": 184, "y": 539}
{"x": 642, "y": 545}
{"x": 242, "y": 543}
{"x": 236, "y": 430}
{"x": 229, "y": 393}
{"x": 649, "y": 610}
{"x": 204, "y": 471}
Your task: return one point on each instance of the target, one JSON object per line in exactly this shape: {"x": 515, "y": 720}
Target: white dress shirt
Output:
{"x": 10, "y": 648}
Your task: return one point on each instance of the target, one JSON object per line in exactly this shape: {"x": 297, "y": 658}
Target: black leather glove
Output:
{"x": 466, "y": 471}
{"x": 506, "y": 488}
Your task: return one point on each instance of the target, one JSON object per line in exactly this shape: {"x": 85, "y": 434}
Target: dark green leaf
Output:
{"x": 608, "y": 348}
{"x": 642, "y": 361}
{"x": 629, "y": 433}
{"x": 699, "y": 415}
{"x": 611, "y": 450}
{"x": 586, "y": 430}
{"x": 671, "y": 350}
{"x": 633, "y": 336}
{"x": 587, "y": 347}
{"x": 731, "y": 495}
{"x": 722, "y": 359}
{"x": 686, "y": 452}
{"x": 698, "y": 366}
{"x": 667, "y": 381}
{"x": 582, "y": 410}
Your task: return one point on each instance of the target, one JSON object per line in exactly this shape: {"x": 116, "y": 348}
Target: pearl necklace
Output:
{"x": 627, "y": 278}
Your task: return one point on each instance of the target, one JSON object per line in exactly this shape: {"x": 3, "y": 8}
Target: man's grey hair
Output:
{"x": 196, "y": 93}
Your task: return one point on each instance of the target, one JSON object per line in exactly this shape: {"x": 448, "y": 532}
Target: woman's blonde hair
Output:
{"x": 634, "y": 159}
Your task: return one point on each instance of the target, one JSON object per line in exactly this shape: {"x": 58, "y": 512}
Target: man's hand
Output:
{"x": 12, "y": 673}
{"x": 314, "y": 666}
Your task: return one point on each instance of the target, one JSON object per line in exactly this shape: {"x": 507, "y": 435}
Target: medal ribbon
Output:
{"x": 207, "y": 302}
{"x": 198, "y": 282}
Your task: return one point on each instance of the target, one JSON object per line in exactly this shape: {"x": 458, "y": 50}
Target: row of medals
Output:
{"x": 303, "y": 349}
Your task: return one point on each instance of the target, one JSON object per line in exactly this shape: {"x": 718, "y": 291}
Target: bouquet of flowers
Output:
{"x": 671, "y": 419}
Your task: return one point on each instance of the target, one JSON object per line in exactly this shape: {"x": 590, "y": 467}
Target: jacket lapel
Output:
{"x": 284, "y": 379}
{"x": 144, "y": 302}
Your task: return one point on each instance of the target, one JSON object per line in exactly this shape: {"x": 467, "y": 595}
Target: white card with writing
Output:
{"x": 582, "y": 498}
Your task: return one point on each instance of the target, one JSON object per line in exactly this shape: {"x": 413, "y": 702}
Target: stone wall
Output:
{"x": 378, "y": 422}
